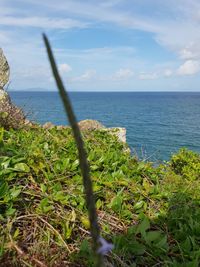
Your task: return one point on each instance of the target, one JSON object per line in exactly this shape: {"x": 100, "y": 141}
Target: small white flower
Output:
{"x": 105, "y": 246}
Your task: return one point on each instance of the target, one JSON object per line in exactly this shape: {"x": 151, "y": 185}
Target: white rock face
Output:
{"x": 4, "y": 70}
{"x": 10, "y": 115}
{"x": 90, "y": 125}
{"x": 119, "y": 132}
{"x": 3, "y": 95}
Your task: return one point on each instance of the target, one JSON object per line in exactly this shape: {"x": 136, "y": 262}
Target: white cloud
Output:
{"x": 64, "y": 68}
{"x": 148, "y": 76}
{"x": 187, "y": 53}
{"x": 96, "y": 11}
{"x": 175, "y": 30}
{"x": 31, "y": 72}
{"x": 168, "y": 73}
{"x": 5, "y": 10}
{"x": 190, "y": 67}
{"x": 97, "y": 53}
{"x": 42, "y": 22}
{"x": 86, "y": 76}
{"x": 4, "y": 38}
{"x": 110, "y": 3}
{"x": 191, "y": 51}
{"x": 123, "y": 74}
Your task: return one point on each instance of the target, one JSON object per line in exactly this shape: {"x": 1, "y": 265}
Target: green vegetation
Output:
{"x": 151, "y": 214}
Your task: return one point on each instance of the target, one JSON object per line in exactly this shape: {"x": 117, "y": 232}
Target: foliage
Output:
{"x": 151, "y": 214}
{"x": 186, "y": 164}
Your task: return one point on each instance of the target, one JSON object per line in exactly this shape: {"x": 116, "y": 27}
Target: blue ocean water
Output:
{"x": 158, "y": 124}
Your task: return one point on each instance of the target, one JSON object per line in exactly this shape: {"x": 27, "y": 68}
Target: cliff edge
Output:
{"x": 10, "y": 115}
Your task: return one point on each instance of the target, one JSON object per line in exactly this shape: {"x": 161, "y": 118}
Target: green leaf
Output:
{"x": 99, "y": 204}
{"x": 74, "y": 165}
{"x": 3, "y": 189}
{"x": 43, "y": 188}
{"x": 126, "y": 213}
{"x": 163, "y": 242}
{"x": 10, "y": 211}
{"x": 14, "y": 193}
{"x": 45, "y": 206}
{"x": 22, "y": 167}
{"x": 138, "y": 205}
{"x": 60, "y": 196}
{"x": 6, "y": 163}
{"x": 143, "y": 226}
{"x": 94, "y": 167}
{"x": 136, "y": 248}
{"x": 85, "y": 222}
{"x": 186, "y": 245}
{"x": 16, "y": 233}
{"x": 68, "y": 230}
{"x": 116, "y": 203}
{"x": 17, "y": 159}
{"x": 152, "y": 236}
{"x": 1, "y": 133}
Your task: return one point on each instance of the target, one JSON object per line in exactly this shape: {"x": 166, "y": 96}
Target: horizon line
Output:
{"x": 112, "y": 91}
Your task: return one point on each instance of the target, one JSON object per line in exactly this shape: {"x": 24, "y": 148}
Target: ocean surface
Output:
{"x": 158, "y": 124}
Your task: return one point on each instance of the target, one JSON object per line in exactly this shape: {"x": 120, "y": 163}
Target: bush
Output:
{"x": 187, "y": 164}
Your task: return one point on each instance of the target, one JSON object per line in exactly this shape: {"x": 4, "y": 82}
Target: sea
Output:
{"x": 158, "y": 124}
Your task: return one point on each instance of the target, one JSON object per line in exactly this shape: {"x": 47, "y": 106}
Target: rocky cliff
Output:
{"x": 10, "y": 115}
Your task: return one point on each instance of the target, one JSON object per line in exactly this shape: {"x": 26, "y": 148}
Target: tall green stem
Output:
{"x": 84, "y": 166}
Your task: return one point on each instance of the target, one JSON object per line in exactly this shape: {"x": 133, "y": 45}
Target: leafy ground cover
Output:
{"x": 151, "y": 214}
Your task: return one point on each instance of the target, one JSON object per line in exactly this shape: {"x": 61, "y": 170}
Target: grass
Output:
{"x": 151, "y": 214}
{"x": 82, "y": 156}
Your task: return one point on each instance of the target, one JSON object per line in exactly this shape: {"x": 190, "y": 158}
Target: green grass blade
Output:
{"x": 89, "y": 196}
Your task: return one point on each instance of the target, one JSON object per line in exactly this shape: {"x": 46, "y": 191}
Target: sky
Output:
{"x": 103, "y": 45}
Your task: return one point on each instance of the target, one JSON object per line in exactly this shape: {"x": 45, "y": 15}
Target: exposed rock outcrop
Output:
{"x": 4, "y": 70}
{"x": 90, "y": 125}
{"x": 10, "y": 115}
{"x": 120, "y": 132}
{"x": 48, "y": 125}
{"x": 96, "y": 125}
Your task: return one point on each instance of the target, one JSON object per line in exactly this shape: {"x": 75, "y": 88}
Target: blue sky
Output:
{"x": 104, "y": 45}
